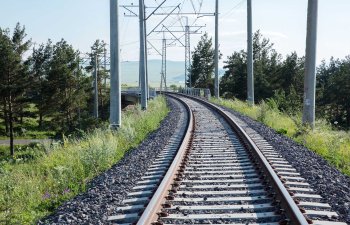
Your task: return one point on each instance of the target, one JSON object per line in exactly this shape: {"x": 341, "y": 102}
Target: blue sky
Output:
{"x": 81, "y": 22}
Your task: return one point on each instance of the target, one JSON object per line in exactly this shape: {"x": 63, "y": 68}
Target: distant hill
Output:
{"x": 175, "y": 72}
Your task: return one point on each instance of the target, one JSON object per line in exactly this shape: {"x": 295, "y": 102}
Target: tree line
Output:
{"x": 276, "y": 78}
{"x": 52, "y": 79}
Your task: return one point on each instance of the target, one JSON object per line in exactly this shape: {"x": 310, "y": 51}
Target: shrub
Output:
{"x": 262, "y": 112}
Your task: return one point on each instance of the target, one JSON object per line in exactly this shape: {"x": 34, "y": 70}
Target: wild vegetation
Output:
{"x": 330, "y": 143}
{"x": 279, "y": 86}
{"x": 49, "y": 92}
{"x": 277, "y": 77}
{"x": 202, "y": 64}
{"x": 35, "y": 182}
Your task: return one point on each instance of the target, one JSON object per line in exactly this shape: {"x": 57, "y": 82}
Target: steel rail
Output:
{"x": 286, "y": 201}
{"x": 150, "y": 214}
{"x": 153, "y": 209}
{"x": 231, "y": 150}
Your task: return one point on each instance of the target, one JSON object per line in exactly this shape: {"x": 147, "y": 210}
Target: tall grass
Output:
{"x": 31, "y": 190}
{"x": 331, "y": 144}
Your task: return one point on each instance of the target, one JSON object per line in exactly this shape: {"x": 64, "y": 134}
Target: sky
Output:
{"x": 80, "y": 22}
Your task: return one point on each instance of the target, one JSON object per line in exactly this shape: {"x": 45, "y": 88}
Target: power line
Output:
{"x": 233, "y": 8}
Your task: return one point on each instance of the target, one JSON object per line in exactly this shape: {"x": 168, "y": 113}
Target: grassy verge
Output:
{"x": 31, "y": 189}
{"x": 331, "y": 144}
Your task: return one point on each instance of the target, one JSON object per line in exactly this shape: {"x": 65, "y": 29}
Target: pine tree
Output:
{"x": 39, "y": 63}
{"x": 266, "y": 65}
{"x": 333, "y": 91}
{"x": 13, "y": 76}
{"x": 66, "y": 85}
{"x": 234, "y": 81}
{"x": 202, "y": 68}
{"x": 98, "y": 49}
{"x": 271, "y": 74}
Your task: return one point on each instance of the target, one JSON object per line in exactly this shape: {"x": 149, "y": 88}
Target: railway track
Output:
{"x": 218, "y": 171}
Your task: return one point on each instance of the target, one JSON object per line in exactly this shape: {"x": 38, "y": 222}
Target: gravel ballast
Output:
{"x": 105, "y": 192}
{"x": 326, "y": 180}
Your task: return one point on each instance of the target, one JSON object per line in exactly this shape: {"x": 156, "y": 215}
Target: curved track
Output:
{"x": 220, "y": 175}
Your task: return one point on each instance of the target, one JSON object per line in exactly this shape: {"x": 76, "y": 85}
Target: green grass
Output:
{"x": 5, "y": 151}
{"x": 23, "y": 153}
{"x": 30, "y": 190}
{"x": 331, "y": 144}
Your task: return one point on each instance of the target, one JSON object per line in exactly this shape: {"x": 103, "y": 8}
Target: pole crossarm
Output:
{"x": 176, "y": 31}
{"x": 154, "y": 48}
{"x": 191, "y": 26}
{"x": 179, "y": 31}
{"x": 146, "y": 7}
{"x": 194, "y": 8}
{"x": 129, "y": 10}
{"x": 177, "y": 7}
{"x": 155, "y": 10}
{"x": 193, "y": 32}
{"x": 179, "y": 38}
{"x": 173, "y": 35}
{"x": 186, "y": 13}
{"x": 160, "y": 39}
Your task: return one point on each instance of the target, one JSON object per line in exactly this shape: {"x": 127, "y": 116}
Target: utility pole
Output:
{"x": 250, "y": 69}
{"x": 310, "y": 64}
{"x": 95, "y": 89}
{"x": 187, "y": 55}
{"x": 79, "y": 106}
{"x": 105, "y": 67}
{"x": 145, "y": 18}
{"x": 146, "y": 52}
{"x": 115, "y": 94}
{"x": 154, "y": 13}
{"x": 217, "y": 49}
{"x": 163, "y": 78}
{"x": 161, "y": 81}
{"x": 163, "y": 73}
{"x": 142, "y": 68}
{"x": 187, "y": 32}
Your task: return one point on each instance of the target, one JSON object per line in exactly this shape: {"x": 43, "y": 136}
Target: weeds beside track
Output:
{"x": 333, "y": 145}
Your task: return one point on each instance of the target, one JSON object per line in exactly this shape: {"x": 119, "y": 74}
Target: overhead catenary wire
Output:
{"x": 174, "y": 19}
{"x": 228, "y": 13}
